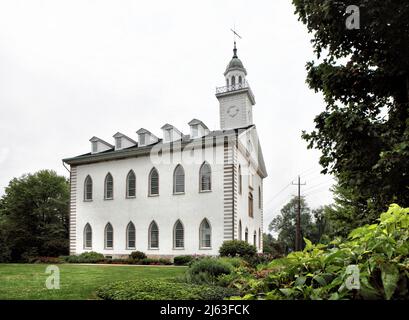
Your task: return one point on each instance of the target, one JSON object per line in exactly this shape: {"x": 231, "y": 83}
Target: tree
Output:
{"x": 285, "y": 223}
{"x": 272, "y": 246}
{"x": 34, "y": 213}
{"x": 363, "y": 74}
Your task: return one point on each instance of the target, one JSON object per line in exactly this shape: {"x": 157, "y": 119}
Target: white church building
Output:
{"x": 175, "y": 194}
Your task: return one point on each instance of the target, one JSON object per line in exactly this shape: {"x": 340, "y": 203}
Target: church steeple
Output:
{"x": 235, "y": 50}
{"x": 236, "y": 98}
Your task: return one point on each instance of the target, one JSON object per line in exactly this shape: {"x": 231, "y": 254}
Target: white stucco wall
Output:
{"x": 252, "y": 223}
{"x": 191, "y": 208}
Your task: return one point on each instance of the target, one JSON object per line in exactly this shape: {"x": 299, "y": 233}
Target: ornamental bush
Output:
{"x": 375, "y": 257}
{"x": 154, "y": 289}
{"x": 206, "y": 270}
{"x": 234, "y": 248}
{"x": 182, "y": 260}
{"x": 85, "y": 257}
{"x": 137, "y": 255}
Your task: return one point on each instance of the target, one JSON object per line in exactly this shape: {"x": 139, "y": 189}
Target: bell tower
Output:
{"x": 235, "y": 98}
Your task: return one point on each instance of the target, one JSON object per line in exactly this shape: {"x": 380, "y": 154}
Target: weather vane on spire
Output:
{"x": 235, "y": 34}
{"x": 235, "y": 37}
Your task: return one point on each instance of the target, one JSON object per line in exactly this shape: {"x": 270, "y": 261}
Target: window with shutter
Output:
{"x": 131, "y": 185}
{"x": 205, "y": 234}
{"x": 131, "y": 235}
{"x": 179, "y": 180}
{"x": 154, "y": 182}
{"x": 250, "y": 200}
{"x": 205, "y": 176}
{"x": 109, "y": 236}
{"x": 178, "y": 235}
{"x": 153, "y": 236}
{"x": 88, "y": 189}
{"x": 109, "y": 187}
{"x": 87, "y": 237}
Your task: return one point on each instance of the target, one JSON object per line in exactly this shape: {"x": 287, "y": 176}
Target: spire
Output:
{"x": 235, "y": 50}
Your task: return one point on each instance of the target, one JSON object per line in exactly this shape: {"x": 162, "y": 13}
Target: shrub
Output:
{"x": 49, "y": 260}
{"x": 186, "y": 260}
{"x": 85, "y": 257}
{"x": 235, "y": 262}
{"x": 379, "y": 251}
{"x": 260, "y": 258}
{"x": 207, "y": 270}
{"x": 154, "y": 289}
{"x": 234, "y": 248}
{"x": 137, "y": 255}
{"x": 153, "y": 261}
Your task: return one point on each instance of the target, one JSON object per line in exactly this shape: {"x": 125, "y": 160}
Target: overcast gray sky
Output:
{"x": 73, "y": 69}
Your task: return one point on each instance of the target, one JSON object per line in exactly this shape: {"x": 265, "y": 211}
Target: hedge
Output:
{"x": 154, "y": 289}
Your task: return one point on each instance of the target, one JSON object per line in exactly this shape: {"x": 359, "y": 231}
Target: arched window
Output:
{"x": 260, "y": 202}
{"x": 154, "y": 182}
{"x": 130, "y": 236}
{"x": 109, "y": 187}
{"x": 246, "y": 235}
{"x": 131, "y": 185}
{"x": 88, "y": 189}
{"x": 153, "y": 240}
{"x": 240, "y": 80}
{"x": 240, "y": 180}
{"x": 109, "y": 236}
{"x": 227, "y": 82}
{"x": 178, "y": 235}
{"x": 205, "y": 177}
{"x": 251, "y": 205}
{"x": 205, "y": 235}
{"x": 179, "y": 179}
{"x": 255, "y": 239}
{"x": 87, "y": 237}
{"x": 240, "y": 231}
{"x": 233, "y": 80}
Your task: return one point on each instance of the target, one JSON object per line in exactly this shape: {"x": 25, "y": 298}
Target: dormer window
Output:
{"x": 168, "y": 135}
{"x": 118, "y": 143}
{"x": 195, "y": 131}
{"x": 122, "y": 141}
{"x": 142, "y": 139}
{"x": 99, "y": 145}
{"x": 145, "y": 137}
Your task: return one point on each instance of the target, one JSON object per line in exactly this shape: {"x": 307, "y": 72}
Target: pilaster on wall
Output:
{"x": 73, "y": 210}
{"x": 230, "y": 189}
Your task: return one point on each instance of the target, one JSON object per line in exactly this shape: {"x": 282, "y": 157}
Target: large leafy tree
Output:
{"x": 34, "y": 216}
{"x": 363, "y": 74}
{"x": 285, "y": 223}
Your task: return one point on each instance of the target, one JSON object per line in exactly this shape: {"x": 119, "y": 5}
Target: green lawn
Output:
{"x": 27, "y": 281}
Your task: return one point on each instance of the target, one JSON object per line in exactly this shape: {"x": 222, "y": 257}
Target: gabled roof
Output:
{"x": 143, "y": 150}
{"x": 197, "y": 121}
{"x": 121, "y": 135}
{"x": 168, "y": 126}
{"x": 143, "y": 130}
{"x": 96, "y": 139}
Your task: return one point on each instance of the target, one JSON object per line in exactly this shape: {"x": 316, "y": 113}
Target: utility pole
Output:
{"x": 298, "y": 219}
